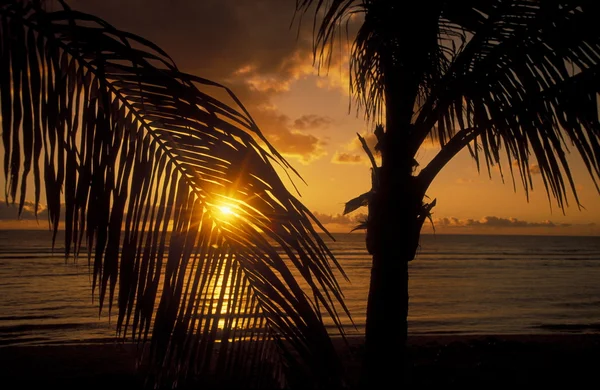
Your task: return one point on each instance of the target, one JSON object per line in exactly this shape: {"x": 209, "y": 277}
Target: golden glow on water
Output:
{"x": 459, "y": 284}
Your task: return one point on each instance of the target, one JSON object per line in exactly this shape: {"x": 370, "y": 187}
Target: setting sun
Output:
{"x": 226, "y": 210}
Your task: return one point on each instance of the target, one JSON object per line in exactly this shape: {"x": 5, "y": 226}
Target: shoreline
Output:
{"x": 468, "y": 360}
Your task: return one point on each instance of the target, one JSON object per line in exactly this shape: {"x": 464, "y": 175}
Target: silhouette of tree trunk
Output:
{"x": 396, "y": 214}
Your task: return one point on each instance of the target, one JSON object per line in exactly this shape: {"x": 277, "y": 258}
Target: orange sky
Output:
{"x": 249, "y": 46}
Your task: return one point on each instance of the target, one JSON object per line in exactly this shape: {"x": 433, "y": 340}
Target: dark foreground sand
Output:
{"x": 571, "y": 360}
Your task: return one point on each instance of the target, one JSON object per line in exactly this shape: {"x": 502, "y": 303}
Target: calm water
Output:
{"x": 458, "y": 284}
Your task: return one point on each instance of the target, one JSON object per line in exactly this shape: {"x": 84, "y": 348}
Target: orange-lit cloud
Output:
{"x": 340, "y": 223}
{"x": 10, "y": 218}
{"x": 280, "y": 131}
{"x": 312, "y": 122}
{"x": 347, "y": 158}
{"x": 11, "y": 211}
{"x": 348, "y": 219}
{"x": 464, "y": 181}
{"x": 535, "y": 169}
{"x": 353, "y": 152}
{"x": 369, "y": 137}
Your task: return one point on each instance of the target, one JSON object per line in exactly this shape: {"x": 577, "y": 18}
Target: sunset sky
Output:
{"x": 252, "y": 47}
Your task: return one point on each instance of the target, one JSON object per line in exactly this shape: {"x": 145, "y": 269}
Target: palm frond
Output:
{"x": 147, "y": 160}
{"x": 526, "y": 82}
{"x": 366, "y": 82}
{"x": 384, "y": 29}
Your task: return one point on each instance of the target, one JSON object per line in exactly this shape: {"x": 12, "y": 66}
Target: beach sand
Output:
{"x": 571, "y": 360}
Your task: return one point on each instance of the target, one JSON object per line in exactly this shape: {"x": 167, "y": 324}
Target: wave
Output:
{"x": 593, "y": 327}
{"x": 7, "y": 329}
{"x": 28, "y": 317}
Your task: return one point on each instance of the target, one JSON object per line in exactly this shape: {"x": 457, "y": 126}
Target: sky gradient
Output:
{"x": 254, "y": 48}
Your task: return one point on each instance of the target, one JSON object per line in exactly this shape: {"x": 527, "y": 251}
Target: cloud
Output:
{"x": 10, "y": 218}
{"x": 355, "y": 149}
{"x": 278, "y": 129}
{"x": 312, "y": 122}
{"x": 10, "y": 212}
{"x": 488, "y": 224}
{"x": 216, "y": 37}
{"x": 369, "y": 137}
{"x": 353, "y": 152}
{"x": 534, "y": 169}
{"x": 461, "y": 181}
{"x": 246, "y": 45}
{"x": 339, "y": 222}
{"x": 347, "y": 158}
{"x": 494, "y": 222}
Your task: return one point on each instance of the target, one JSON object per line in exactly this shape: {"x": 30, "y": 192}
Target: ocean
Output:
{"x": 459, "y": 284}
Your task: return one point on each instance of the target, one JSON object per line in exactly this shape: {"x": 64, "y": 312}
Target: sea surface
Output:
{"x": 459, "y": 284}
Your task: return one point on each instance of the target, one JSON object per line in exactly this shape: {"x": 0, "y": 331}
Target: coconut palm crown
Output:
{"x": 515, "y": 82}
{"x": 170, "y": 191}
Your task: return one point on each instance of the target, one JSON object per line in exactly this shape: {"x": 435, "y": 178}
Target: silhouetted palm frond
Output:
{"x": 526, "y": 81}
{"x": 176, "y": 197}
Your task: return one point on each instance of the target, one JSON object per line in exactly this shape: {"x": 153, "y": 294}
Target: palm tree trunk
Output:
{"x": 385, "y": 354}
{"x": 395, "y": 210}
{"x": 393, "y": 234}
{"x": 392, "y": 239}
{"x": 394, "y": 222}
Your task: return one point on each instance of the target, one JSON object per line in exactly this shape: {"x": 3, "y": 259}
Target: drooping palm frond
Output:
{"x": 383, "y": 32}
{"x": 366, "y": 83}
{"x": 176, "y": 197}
{"x": 527, "y": 82}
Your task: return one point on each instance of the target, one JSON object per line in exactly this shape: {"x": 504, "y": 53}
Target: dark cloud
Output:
{"x": 248, "y": 46}
{"x": 215, "y": 37}
{"x": 347, "y": 158}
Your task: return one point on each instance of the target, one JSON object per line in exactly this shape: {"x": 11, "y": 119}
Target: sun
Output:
{"x": 226, "y": 210}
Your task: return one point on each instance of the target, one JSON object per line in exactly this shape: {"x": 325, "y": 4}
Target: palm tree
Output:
{"x": 513, "y": 79}
{"x": 171, "y": 194}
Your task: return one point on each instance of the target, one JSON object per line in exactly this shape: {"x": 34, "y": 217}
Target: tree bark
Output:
{"x": 396, "y": 211}
{"x": 396, "y": 230}
{"x": 392, "y": 239}
{"x": 385, "y": 353}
